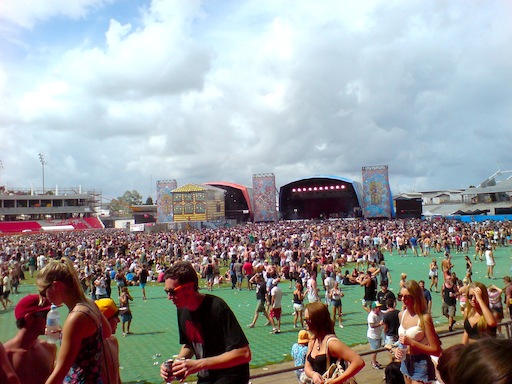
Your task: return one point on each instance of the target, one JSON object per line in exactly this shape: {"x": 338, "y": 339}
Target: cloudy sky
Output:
{"x": 117, "y": 94}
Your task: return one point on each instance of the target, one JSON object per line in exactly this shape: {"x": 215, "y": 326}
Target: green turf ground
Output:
{"x": 155, "y": 329}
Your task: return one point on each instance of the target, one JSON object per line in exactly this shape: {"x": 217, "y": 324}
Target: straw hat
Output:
{"x": 303, "y": 337}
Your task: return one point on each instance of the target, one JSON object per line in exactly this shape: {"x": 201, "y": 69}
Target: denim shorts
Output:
{"x": 423, "y": 371}
{"x": 374, "y": 343}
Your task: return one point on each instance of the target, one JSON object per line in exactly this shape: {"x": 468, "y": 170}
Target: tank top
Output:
{"x": 86, "y": 368}
{"x": 449, "y": 300}
{"x": 474, "y": 333}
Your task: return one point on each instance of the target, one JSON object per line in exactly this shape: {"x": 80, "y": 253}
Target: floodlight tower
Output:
{"x": 43, "y": 163}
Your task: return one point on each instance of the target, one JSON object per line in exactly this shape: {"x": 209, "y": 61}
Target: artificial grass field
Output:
{"x": 154, "y": 325}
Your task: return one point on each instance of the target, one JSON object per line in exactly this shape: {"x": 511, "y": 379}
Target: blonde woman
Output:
{"x": 78, "y": 359}
{"x": 417, "y": 333}
{"x": 403, "y": 278}
{"x": 478, "y": 319}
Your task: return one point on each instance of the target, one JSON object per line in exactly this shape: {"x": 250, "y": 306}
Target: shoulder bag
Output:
{"x": 335, "y": 369}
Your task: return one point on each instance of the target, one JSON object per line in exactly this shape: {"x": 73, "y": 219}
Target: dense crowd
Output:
{"x": 260, "y": 256}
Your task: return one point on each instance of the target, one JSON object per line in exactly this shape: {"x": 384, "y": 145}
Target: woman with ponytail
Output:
{"x": 78, "y": 359}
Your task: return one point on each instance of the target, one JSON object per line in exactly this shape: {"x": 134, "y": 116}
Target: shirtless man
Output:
{"x": 7, "y": 374}
{"x": 32, "y": 359}
{"x": 446, "y": 265}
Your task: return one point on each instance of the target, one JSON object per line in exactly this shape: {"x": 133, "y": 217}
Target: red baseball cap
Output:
{"x": 31, "y": 304}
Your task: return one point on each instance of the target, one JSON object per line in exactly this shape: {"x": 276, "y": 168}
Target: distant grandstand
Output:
{"x": 60, "y": 210}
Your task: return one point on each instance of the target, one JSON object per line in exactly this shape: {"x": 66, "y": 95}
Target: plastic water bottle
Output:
{"x": 53, "y": 325}
{"x": 402, "y": 348}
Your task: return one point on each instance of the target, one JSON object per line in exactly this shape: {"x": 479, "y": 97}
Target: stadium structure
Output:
{"x": 27, "y": 210}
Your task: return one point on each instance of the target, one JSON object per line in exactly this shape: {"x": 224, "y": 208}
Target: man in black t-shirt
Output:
{"x": 449, "y": 294}
{"x": 391, "y": 323}
{"x": 208, "y": 330}
{"x": 383, "y": 295}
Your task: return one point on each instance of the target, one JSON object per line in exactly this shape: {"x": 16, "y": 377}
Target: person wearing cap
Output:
{"x": 374, "y": 333}
{"x": 110, "y": 354}
{"x": 32, "y": 358}
{"x": 299, "y": 351}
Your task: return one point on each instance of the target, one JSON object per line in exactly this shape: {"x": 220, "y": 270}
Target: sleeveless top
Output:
{"x": 474, "y": 333}
{"x": 86, "y": 368}
{"x": 415, "y": 332}
{"x": 319, "y": 362}
{"x": 312, "y": 295}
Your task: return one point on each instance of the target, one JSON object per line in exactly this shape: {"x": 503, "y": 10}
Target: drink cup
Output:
{"x": 168, "y": 365}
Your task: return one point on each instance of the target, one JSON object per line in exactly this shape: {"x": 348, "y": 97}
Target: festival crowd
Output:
{"x": 316, "y": 259}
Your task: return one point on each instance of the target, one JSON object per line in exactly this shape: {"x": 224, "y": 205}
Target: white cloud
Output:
{"x": 201, "y": 91}
{"x": 26, "y": 13}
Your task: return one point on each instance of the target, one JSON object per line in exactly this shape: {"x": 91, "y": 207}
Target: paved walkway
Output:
{"x": 367, "y": 375}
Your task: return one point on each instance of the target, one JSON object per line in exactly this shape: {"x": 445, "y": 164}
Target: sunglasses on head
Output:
{"x": 172, "y": 291}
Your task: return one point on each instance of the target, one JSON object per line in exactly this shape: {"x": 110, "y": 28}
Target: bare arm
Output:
{"x": 76, "y": 328}
{"x": 308, "y": 369}
{"x": 225, "y": 360}
{"x": 342, "y": 352}
{"x": 465, "y": 338}
{"x": 7, "y": 374}
{"x": 486, "y": 312}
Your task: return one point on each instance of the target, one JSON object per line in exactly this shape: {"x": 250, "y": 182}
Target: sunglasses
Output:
{"x": 307, "y": 321}
{"x": 172, "y": 291}
{"x": 470, "y": 296}
{"x": 407, "y": 297}
{"x": 42, "y": 293}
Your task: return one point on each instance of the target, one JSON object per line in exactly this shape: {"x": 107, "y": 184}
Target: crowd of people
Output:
{"x": 317, "y": 259}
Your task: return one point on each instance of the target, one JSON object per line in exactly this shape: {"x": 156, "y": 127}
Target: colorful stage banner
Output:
{"x": 264, "y": 194}
{"x": 164, "y": 200}
{"x": 378, "y": 202}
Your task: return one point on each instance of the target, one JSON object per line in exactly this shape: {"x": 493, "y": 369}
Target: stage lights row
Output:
{"x": 317, "y": 189}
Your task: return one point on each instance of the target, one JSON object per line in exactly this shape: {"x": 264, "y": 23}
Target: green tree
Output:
{"x": 121, "y": 205}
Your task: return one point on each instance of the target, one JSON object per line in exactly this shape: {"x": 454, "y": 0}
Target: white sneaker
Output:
{"x": 341, "y": 326}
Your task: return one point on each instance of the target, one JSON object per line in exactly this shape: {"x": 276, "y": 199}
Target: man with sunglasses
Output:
{"x": 32, "y": 359}
{"x": 208, "y": 330}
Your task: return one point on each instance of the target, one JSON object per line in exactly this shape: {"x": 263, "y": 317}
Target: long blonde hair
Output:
{"x": 64, "y": 271}
{"x": 469, "y": 310}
